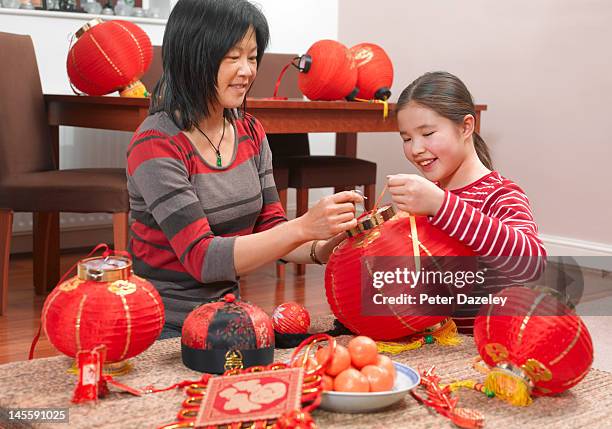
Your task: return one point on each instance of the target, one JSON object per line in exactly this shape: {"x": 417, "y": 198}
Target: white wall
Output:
{"x": 542, "y": 67}
{"x": 294, "y": 26}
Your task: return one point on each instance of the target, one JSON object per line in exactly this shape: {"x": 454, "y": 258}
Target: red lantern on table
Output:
{"x": 109, "y": 56}
{"x": 383, "y": 234}
{"x": 534, "y": 344}
{"x": 105, "y": 304}
{"x": 374, "y": 71}
{"x": 327, "y": 71}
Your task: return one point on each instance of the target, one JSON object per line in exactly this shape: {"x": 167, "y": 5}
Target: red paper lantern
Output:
{"x": 290, "y": 318}
{"x": 386, "y": 235}
{"x": 109, "y": 56}
{"x": 534, "y": 344}
{"x": 374, "y": 71}
{"x": 327, "y": 71}
{"x": 105, "y": 304}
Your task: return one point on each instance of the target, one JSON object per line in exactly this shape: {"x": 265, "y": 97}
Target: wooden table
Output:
{"x": 344, "y": 118}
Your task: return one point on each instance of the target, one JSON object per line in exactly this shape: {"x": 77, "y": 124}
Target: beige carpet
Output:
{"x": 45, "y": 383}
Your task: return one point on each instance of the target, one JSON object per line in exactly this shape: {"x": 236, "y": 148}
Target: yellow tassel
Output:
{"x": 447, "y": 335}
{"x": 508, "y": 387}
{"x": 456, "y": 385}
{"x": 395, "y": 348}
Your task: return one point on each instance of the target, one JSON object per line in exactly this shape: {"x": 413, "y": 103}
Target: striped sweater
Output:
{"x": 492, "y": 216}
{"x": 187, "y": 212}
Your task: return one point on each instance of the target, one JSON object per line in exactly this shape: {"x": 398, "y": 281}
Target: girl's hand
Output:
{"x": 415, "y": 194}
{"x": 330, "y": 216}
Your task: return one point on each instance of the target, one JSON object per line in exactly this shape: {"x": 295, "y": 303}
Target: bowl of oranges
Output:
{"x": 360, "y": 380}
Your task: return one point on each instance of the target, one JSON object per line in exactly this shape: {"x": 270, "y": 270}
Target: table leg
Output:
{"x": 346, "y": 145}
{"x": 54, "y": 129}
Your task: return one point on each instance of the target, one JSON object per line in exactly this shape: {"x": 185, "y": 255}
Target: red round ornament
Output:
{"x": 105, "y": 304}
{"x": 384, "y": 234}
{"x": 291, "y": 318}
{"x": 374, "y": 71}
{"x": 331, "y": 73}
{"x": 534, "y": 344}
{"x": 109, "y": 56}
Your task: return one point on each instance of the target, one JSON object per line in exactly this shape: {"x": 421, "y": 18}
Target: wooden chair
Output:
{"x": 29, "y": 180}
{"x": 293, "y": 150}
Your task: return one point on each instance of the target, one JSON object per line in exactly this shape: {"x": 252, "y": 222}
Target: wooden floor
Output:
{"x": 22, "y": 320}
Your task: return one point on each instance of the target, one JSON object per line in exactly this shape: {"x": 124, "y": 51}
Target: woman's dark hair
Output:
{"x": 446, "y": 95}
{"x": 199, "y": 33}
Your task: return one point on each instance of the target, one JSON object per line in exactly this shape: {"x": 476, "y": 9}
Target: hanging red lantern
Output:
{"x": 351, "y": 271}
{"x": 327, "y": 71}
{"x": 534, "y": 344}
{"x": 109, "y": 56}
{"x": 104, "y": 304}
{"x": 374, "y": 71}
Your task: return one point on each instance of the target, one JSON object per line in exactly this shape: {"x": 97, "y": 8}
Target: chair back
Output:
{"x": 25, "y": 138}
{"x": 282, "y": 145}
{"x": 154, "y": 72}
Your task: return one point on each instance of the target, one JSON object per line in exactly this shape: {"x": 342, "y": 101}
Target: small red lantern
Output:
{"x": 291, "y": 318}
{"x": 105, "y": 304}
{"x": 383, "y": 234}
{"x": 374, "y": 71}
{"x": 534, "y": 344}
{"x": 327, "y": 71}
{"x": 109, "y": 56}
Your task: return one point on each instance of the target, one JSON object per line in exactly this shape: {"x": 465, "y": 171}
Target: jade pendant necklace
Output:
{"x": 217, "y": 148}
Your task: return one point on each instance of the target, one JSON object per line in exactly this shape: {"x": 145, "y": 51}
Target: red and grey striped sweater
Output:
{"x": 492, "y": 216}
{"x": 187, "y": 212}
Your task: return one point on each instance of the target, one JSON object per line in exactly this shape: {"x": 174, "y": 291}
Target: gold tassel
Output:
{"x": 456, "y": 385}
{"x": 508, "y": 387}
{"x": 447, "y": 335}
{"x": 396, "y": 348}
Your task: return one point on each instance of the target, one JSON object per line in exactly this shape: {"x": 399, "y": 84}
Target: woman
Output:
{"x": 202, "y": 193}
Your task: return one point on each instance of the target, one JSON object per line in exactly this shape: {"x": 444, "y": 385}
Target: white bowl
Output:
{"x": 348, "y": 402}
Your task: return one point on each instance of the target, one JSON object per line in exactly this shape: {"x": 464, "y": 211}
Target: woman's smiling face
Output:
{"x": 237, "y": 71}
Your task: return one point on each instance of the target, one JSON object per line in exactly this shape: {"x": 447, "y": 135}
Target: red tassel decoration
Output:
{"x": 332, "y": 74}
{"x": 374, "y": 71}
{"x": 109, "y": 56}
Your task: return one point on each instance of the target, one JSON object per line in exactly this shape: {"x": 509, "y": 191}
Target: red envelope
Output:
{"x": 251, "y": 397}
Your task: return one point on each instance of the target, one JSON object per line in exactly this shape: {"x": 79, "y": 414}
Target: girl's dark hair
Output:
{"x": 446, "y": 95}
{"x": 199, "y": 33}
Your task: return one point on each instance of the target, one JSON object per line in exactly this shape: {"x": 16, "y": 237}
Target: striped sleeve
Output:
{"x": 272, "y": 212}
{"x": 157, "y": 168}
{"x": 504, "y": 233}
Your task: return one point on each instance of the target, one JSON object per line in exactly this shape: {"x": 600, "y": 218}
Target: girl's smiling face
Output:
{"x": 434, "y": 144}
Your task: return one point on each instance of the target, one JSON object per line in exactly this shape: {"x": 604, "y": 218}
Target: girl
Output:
{"x": 202, "y": 193}
{"x": 460, "y": 191}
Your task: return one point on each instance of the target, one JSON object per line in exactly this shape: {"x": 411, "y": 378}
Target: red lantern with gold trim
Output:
{"x": 105, "y": 304}
{"x": 534, "y": 344}
{"x": 327, "y": 71}
{"x": 351, "y": 269}
{"x": 374, "y": 71}
{"x": 109, "y": 56}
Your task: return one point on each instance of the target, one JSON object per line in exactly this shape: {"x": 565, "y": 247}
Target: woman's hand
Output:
{"x": 325, "y": 248}
{"x": 415, "y": 194}
{"x": 330, "y": 216}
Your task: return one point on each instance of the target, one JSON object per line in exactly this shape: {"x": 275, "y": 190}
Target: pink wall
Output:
{"x": 544, "y": 68}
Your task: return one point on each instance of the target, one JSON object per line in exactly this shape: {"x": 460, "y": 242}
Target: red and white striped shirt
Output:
{"x": 492, "y": 216}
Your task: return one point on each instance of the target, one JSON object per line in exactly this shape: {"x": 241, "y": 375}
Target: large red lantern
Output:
{"x": 105, "y": 304}
{"x": 374, "y": 71}
{"x": 350, "y": 272}
{"x": 534, "y": 344}
{"x": 327, "y": 71}
{"x": 109, "y": 56}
